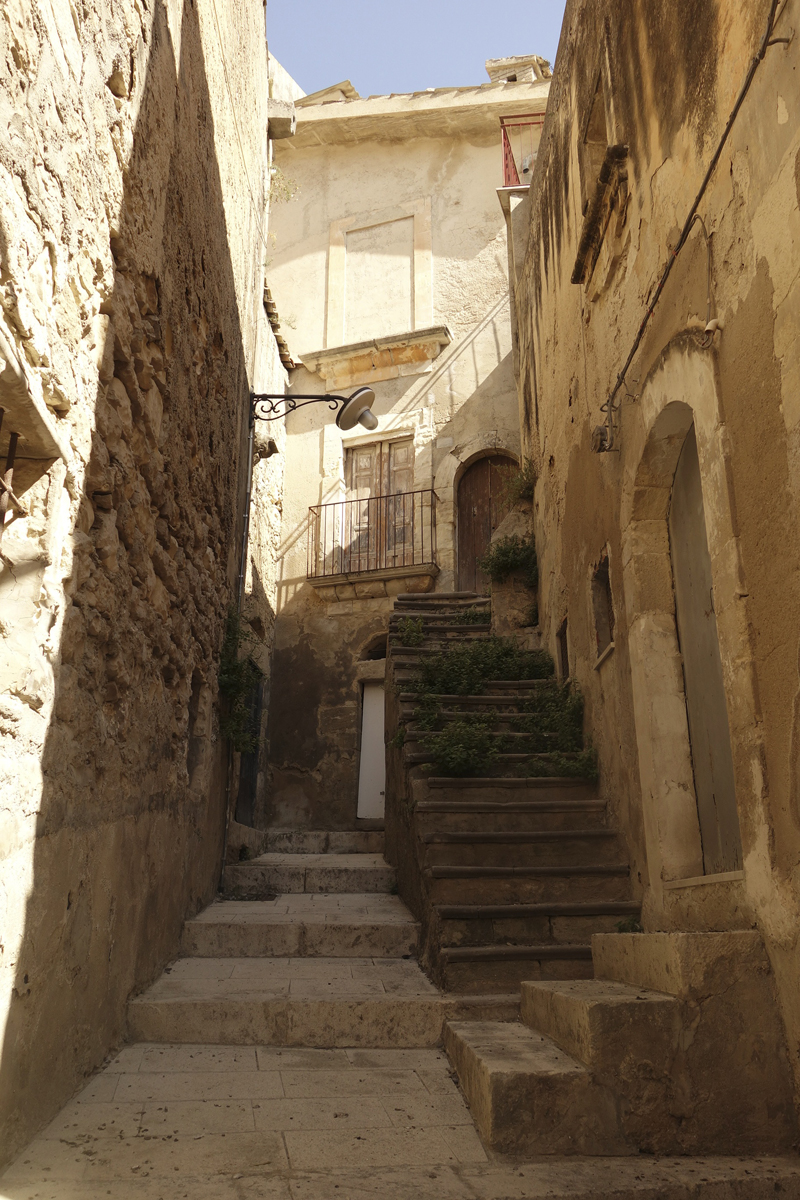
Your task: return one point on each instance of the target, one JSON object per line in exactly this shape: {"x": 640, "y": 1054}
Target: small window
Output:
{"x": 603, "y": 606}
{"x": 562, "y": 652}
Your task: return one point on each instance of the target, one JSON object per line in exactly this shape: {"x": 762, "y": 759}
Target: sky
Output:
{"x": 384, "y": 46}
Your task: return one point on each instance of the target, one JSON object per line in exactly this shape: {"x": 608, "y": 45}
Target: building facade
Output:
{"x": 390, "y": 270}
{"x": 657, "y": 309}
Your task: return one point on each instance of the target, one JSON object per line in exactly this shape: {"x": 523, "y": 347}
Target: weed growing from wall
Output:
{"x": 239, "y": 676}
{"x": 509, "y": 555}
{"x": 519, "y": 485}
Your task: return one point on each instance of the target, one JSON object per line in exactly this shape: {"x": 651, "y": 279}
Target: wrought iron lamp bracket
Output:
{"x": 271, "y": 406}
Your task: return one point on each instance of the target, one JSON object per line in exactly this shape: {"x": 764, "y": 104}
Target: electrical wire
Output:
{"x": 608, "y": 408}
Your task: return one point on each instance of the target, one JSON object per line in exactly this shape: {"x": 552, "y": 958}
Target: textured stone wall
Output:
{"x": 670, "y": 75}
{"x": 132, "y": 251}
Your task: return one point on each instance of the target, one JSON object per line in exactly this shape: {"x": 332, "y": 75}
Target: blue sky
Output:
{"x": 384, "y": 46}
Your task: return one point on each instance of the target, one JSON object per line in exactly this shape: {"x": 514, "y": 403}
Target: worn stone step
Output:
{"x": 321, "y": 1002}
{"x": 337, "y": 926}
{"x": 580, "y": 789}
{"x": 449, "y": 871}
{"x": 556, "y": 924}
{"x": 524, "y": 817}
{"x": 309, "y": 841}
{"x": 496, "y": 694}
{"x": 433, "y": 625}
{"x": 602, "y": 1023}
{"x": 527, "y": 1096}
{"x": 271, "y": 873}
{"x": 512, "y": 837}
{"x": 529, "y": 887}
{"x": 502, "y": 975}
{"x": 454, "y": 954}
{"x": 569, "y": 848}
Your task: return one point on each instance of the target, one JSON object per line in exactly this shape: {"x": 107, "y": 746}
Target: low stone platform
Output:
{"x": 269, "y": 1123}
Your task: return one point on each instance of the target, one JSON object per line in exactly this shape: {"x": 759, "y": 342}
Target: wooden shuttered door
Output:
{"x": 481, "y": 508}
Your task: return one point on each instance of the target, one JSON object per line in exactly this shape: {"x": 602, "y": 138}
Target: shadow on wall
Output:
{"x": 127, "y": 842}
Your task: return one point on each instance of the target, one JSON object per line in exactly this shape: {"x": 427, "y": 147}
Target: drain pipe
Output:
{"x": 239, "y": 598}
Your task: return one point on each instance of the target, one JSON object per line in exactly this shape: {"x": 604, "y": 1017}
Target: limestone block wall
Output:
{"x": 132, "y": 252}
{"x": 668, "y": 80}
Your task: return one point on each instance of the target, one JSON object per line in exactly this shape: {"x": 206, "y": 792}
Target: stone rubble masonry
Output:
{"x": 132, "y": 255}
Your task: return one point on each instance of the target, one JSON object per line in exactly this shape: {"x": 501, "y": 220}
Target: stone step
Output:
{"x": 510, "y": 818}
{"x": 504, "y": 973}
{"x": 495, "y": 694}
{"x": 581, "y": 847}
{"x": 279, "y": 873}
{"x": 602, "y": 1023}
{"x": 433, "y": 625}
{"x": 450, "y": 871}
{"x": 564, "y": 885}
{"x": 309, "y": 841}
{"x": 439, "y": 599}
{"x": 320, "y": 1002}
{"x": 497, "y": 790}
{"x": 338, "y": 926}
{"x": 527, "y": 1096}
{"x": 554, "y": 924}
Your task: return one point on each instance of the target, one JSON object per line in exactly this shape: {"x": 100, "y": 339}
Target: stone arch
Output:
{"x": 680, "y": 391}
{"x": 445, "y": 485}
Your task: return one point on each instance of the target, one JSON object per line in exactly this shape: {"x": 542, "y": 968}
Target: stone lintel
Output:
{"x": 382, "y": 358}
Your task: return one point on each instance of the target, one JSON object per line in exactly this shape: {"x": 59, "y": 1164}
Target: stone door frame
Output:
{"x": 680, "y": 390}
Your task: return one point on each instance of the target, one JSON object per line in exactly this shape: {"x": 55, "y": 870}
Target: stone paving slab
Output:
{"x": 352, "y": 1124}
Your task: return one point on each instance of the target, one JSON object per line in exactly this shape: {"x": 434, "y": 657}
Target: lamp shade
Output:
{"x": 358, "y": 410}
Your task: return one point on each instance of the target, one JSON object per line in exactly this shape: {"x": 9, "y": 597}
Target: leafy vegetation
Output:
{"x": 471, "y": 616}
{"x": 281, "y": 187}
{"x": 410, "y": 631}
{"x": 630, "y": 925}
{"x": 464, "y": 747}
{"x": 239, "y": 676}
{"x": 509, "y": 555}
{"x": 467, "y": 668}
{"x": 520, "y": 484}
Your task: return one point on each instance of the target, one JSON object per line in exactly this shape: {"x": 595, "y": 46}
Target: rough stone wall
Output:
{"x": 671, "y": 74}
{"x": 132, "y": 251}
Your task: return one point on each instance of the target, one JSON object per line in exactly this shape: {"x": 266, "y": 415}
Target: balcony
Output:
{"x": 377, "y": 546}
{"x": 520, "y": 144}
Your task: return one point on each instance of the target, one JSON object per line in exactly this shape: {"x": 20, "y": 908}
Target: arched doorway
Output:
{"x": 482, "y": 505}
{"x": 709, "y": 732}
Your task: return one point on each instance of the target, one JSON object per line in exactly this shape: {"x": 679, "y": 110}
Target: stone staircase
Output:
{"x": 309, "y": 947}
{"x": 676, "y": 1048}
{"x": 510, "y": 876}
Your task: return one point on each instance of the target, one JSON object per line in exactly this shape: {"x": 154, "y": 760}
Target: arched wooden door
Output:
{"x": 702, "y": 668}
{"x": 481, "y": 508}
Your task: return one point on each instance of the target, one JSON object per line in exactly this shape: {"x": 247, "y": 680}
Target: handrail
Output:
{"x": 376, "y": 533}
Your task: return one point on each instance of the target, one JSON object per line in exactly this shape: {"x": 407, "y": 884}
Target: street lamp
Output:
{"x": 352, "y": 410}
{"x": 271, "y": 406}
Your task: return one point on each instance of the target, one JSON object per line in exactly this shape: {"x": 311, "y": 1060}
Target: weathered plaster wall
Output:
{"x": 464, "y": 405}
{"x": 131, "y": 271}
{"x": 671, "y": 76}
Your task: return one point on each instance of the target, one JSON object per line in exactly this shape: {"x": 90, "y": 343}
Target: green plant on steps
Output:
{"x": 410, "y": 631}
{"x": 465, "y": 669}
{"x": 552, "y": 717}
{"x": 463, "y": 747}
{"x": 630, "y": 925}
{"x": 508, "y": 555}
{"x": 238, "y": 677}
{"x": 472, "y": 616}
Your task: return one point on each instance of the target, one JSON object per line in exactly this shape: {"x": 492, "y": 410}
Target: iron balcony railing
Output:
{"x": 351, "y": 537}
{"x": 520, "y": 144}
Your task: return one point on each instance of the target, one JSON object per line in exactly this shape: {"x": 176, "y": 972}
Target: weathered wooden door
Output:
{"x": 702, "y": 667}
{"x": 481, "y": 508}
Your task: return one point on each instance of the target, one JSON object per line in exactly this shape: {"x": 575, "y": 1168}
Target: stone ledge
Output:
{"x": 382, "y": 358}
{"x": 370, "y": 585}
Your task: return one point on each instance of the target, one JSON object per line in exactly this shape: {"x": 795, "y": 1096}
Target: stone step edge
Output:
{"x": 468, "y": 872}
{"x": 458, "y": 954}
{"x": 513, "y": 837}
{"x": 505, "y": 912}
{"x": 529, "y": 781}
